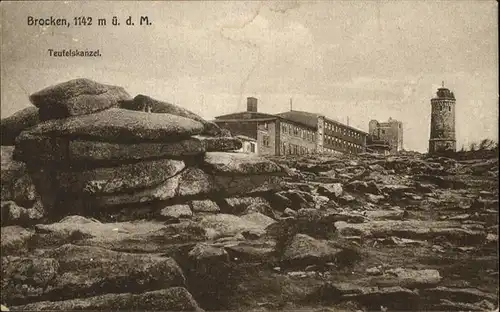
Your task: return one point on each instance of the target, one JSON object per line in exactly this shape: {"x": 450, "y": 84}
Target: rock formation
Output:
{"x": 94, "y": 152}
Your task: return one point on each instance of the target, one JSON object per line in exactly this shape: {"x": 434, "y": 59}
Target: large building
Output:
{"x": 385, "y": 136}
{"x": 248, "y": 145}
{"x": 442, "y": 138}
{"x": 292, "y": 133}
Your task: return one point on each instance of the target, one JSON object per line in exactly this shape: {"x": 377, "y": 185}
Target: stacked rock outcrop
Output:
{"x": 98, "y": 151}
{"x": 161, "y": 215}
{"x": 90, "y": 153}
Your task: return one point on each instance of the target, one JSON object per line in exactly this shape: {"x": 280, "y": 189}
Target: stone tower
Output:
{"x": 390, "y": 131}
{"x": 442, "y": 137}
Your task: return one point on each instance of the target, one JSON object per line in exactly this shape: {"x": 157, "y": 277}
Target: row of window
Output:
{"x": 342, "y": 144}
{"x": 342, "y": 130}
{"x": 297, "y": 131}
{"x": 265, "y": 141}
{"x": 331, "y": 151}
{"x": 292, "y": 149}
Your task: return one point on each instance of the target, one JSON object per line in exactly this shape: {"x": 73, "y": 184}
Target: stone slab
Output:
{"x": 120, "y": 126}
{"x": 124, "y": 178}
{"x": 13, "y": 125}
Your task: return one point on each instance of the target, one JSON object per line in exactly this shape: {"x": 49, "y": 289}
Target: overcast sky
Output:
{"x": 358, "y": 59}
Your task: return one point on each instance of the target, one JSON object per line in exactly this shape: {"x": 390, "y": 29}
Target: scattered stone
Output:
{"x": 240, "y": 204}
{"x": 206, "y": 252}
{"x": 220, "y": 144}
{"x": 81, "y": 150}
{"x": 387, "y": 298}
{"x": 140, "y": 236}
{"x": 261, "y": 208}
{"x": 289, "y": 212}
{"x": 228, "y": 225}
{"x": 447, "y": 305}
{"x": 374, "y": 271}
{"x": 347, "y": 198}
{"x": 236, "y": 185}
{"x": 12, "y": 214}
{"x": 258, "y": 218}
{"x": 464, "y": 216}
{"x": 194, "y": 181}
{"x": 240, "y": 164}
{"x": 252, "y": 234}
{"x": 13, "y": 125}
{"x": 408, "y": 278}
{"x": 362, "y": 186}
{"x": 14, "y": 239}
{"x": 279, "y": 201}
{"x": 171, "y": 299}
{"x": 321, "y": 202}
{"x": 40, "y": 149}
{"x": 204, "y": 206}
{"x": 73, "y": 271}
{"x": 405, "y": 241}
{"x": 124, "y": 178}
{"x": 165, "y": 191}
{"x": 376, "y": 167}
{"x": 396, "y": 189}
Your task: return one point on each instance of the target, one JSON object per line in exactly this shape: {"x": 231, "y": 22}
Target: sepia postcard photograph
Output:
{"x": 319, "y": 155}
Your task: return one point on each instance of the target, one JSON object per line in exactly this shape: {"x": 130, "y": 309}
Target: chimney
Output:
{"x": 251, "y": 104}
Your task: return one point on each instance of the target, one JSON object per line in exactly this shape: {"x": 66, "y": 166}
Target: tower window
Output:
{"x": 449, "y": 108}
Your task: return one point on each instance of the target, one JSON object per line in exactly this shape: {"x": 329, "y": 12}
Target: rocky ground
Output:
{"x": 107, "y": 207}
{"x": 364, "y": 233}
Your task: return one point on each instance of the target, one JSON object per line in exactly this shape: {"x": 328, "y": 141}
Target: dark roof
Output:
{"x": 305, "y": 118}
{"x": 245, "y": 115}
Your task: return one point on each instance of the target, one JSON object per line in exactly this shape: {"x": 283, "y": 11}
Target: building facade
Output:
{"x": 249, "y": 145}
{"x": 296, "y": 138}
{"x": 442, "y": 137}
{"x": 386, "y": 133}
{"x": 273, "y": 135}
{"x": 291, "y": 133}
{"x": 331, "y": 137}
